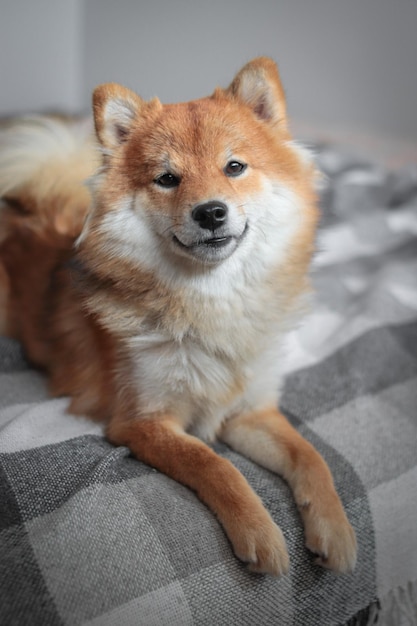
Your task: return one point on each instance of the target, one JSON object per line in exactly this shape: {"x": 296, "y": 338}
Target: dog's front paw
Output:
{"x": 260, "y": 543}
{"x": 330, "y": 536}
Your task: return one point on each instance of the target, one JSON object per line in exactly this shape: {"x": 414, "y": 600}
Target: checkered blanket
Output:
{"x": 90, "y": 536}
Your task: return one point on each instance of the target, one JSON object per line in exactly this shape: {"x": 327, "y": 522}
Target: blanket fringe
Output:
{"x": 399, "y": 607}
{"x": 367, "y": 616}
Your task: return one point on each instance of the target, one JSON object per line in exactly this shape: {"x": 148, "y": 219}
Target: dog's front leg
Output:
{"x": 162, "y": 443}
{"x": 267, "y": 438}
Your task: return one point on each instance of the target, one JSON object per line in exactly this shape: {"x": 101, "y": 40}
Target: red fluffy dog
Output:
{"x": 166, "y": 318}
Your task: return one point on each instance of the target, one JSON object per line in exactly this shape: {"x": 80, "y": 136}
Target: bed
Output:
{"x": 90, "y": 536}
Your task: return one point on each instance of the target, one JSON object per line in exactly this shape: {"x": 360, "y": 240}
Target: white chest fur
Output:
{"x": 220, "y": 356}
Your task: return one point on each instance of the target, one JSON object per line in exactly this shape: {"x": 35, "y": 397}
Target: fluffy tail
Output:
{"x": 44, "y": 163}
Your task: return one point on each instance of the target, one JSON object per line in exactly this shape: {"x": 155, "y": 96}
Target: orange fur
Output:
{"x": 269, "y": 439}
{"x": 163, "y": 444}
{"x": 173, "y": 324}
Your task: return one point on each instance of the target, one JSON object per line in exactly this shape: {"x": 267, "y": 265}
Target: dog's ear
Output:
{"x": 259, "y": 86}
{"x": 115, "y": 110}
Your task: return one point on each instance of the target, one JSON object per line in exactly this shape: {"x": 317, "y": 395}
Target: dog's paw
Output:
{"x": 261, "y": 544}
{"x": 331, "y": 537}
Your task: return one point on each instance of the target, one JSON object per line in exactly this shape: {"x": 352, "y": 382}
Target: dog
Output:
{"x": 159, "y": 295}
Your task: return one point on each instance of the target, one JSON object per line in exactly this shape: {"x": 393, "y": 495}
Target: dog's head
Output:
{"x": 195, "y": 181}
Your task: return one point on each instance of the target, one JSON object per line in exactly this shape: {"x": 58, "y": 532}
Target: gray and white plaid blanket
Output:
{"x": 90, "y": 536}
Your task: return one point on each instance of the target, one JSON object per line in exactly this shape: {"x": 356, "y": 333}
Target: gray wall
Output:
{"x": 346, "y": 63}
{"x": 40, "y": 54}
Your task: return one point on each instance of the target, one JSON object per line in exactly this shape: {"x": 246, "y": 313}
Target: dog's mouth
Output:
{"x": 214, "y": 242}
{"x": 213, "y": 248}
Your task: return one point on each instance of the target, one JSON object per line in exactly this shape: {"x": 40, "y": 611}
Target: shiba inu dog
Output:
{"x": 158, "y": 299}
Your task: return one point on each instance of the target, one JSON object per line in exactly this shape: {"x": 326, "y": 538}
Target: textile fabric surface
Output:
{"x": 90, "y": 536}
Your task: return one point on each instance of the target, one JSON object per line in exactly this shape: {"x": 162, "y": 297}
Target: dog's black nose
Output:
{"x": 210, "y": 215}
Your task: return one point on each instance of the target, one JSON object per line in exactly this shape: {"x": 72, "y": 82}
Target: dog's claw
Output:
{"x": 262, "y": 547}
{"x": 333, "y": 540}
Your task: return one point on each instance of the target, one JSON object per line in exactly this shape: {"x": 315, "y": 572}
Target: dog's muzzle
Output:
{"x": 213, "y": 238}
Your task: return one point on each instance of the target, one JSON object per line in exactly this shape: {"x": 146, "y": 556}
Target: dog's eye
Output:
{"x": 167, "y": 180}
{"x": 234, "y": 168}
{"x": 15, "y": 205}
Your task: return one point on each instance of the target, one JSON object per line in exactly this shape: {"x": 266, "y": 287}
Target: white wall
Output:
{"x": 345, "y": 63}
{"x": 40, "y": 55}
